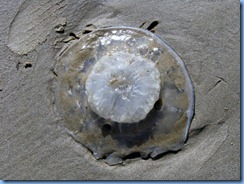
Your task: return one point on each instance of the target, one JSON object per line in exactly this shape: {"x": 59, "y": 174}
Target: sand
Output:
{"x": 33, "y": 143}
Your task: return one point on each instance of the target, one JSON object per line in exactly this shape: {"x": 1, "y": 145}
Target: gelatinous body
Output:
{"x": 122, "y": 90}
{"x": 123, "y": 87}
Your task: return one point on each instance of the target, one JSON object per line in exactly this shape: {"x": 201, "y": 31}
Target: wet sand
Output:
{"x": 34, "y": 145}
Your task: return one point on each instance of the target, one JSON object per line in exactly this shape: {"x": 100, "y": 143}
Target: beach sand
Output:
{"x": 33, "y": 143}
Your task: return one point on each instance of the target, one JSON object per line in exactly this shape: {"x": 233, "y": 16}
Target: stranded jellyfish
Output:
{"x": 122, "y": 90}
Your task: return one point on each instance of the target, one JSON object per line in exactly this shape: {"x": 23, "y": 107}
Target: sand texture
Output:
{"x": 33, "y": 142}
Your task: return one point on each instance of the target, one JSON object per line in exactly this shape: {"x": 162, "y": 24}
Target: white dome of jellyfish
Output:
{"x": 122, "y": 90}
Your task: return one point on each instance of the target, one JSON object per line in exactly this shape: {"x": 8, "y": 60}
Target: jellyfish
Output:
{"x": 123, "y": 90}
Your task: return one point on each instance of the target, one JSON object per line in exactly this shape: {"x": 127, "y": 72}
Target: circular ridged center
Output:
{"x": 123, "y": 87}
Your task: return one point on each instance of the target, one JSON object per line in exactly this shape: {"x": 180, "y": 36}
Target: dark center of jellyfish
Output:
{"x": 121, "y": 85}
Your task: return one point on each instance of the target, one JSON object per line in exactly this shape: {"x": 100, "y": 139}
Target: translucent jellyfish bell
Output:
{"x": 122, "y": 90}
{"x": 123, "y": 87}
